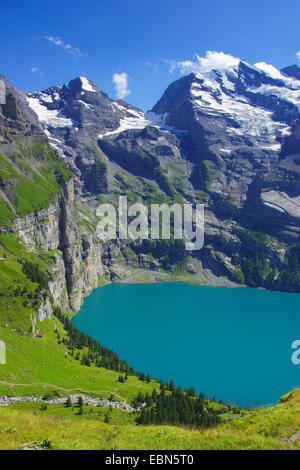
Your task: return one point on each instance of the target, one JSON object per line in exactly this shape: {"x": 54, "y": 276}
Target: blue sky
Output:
{"x": 47, "y": 43}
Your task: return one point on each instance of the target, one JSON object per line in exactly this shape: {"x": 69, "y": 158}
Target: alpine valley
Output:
{"x": 227, "y": 138}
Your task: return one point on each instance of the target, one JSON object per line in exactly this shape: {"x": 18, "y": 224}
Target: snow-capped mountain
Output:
{"x": 238, "y": 117}
{"x": 244, "y": 115}
{"x": 73, "y": 117}
{"x": 230, "y": 132}
{"x": 227, "y": 137}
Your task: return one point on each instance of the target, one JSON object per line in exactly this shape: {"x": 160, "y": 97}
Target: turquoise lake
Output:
{"x": 234, "y": 344}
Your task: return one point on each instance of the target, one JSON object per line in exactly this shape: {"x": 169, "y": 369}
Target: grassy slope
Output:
{"x": 39, "y": 365}
{"x": 262, "y": 429}
{"x": 30, "y": 167}
{"x": 35, "y": 366}
{"x": 42, "y": 364}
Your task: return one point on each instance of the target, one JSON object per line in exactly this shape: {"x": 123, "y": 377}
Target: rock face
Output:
{"x": 228, "y": 138}
{"x": 74, "y": 116}
{"x": 45, "y": 310}
{"x": 16, "y": 116}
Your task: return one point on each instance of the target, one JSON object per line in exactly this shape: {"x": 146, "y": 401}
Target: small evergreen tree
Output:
{"x": 68, "y": 402}
{"x": 192, "y": 392}
{"x": 80, "y": 401}
{"x": 172, "y": 386}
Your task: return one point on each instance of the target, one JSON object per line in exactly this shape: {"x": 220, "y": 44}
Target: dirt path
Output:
{"x": 70, "y": 390}
{"x": 6, "y": 401}
{"x": 292, "y": 439}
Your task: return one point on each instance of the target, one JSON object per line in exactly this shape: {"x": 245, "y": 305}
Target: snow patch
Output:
{"x": 53, "y": 142}
{"x": 281, "y": 202}
{"x": 209, "y": 97}
{"x": 274, "y": 147}
{"x": 49, "y": 117}
{"x": 135, "y": 119}
{"x": 86, "y": 84}
{"x": 129, "y": 122}
{"x": 46, "y": 98}
{"x": 85, "y": 104}
{"x": 284, "y": 93}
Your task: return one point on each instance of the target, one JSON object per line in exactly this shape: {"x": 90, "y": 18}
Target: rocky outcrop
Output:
{"x": 45, "y": 310}
{"x": 40, "y": 228}
{"x": 77, "y": 261}
{"x": 16, "y": 117}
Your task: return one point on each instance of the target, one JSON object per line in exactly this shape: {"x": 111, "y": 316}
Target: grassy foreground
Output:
{"x": 27, "y": 426}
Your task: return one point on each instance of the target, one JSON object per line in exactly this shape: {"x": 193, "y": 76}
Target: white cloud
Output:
{"x": 212, "y": 60}
{"x": 36, "y": 70}
{"x": 67, "y": 47}
{"x": 120, "y": 81}
{"x": 298, "y": 55}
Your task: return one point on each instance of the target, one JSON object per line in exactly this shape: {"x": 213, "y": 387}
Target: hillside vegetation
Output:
{"x": 27, "y": 426}
{"x": 29, "y": 171}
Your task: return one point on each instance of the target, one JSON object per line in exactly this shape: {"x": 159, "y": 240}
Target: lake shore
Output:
{"x": 203, "y": 278}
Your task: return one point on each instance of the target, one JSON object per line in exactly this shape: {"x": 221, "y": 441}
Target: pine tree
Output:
{"x": 68, "y": 402}
{"x": 80, "y": 401}
{"x": 172, "y": 386}
{"x": 192, "y": 392}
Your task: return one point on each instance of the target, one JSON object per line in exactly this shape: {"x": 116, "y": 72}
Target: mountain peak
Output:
{"x": 83, "y": 84}
{"x": 292, "y": 71}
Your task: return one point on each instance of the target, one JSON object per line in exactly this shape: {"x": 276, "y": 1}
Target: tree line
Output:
{"x": 95, "y": 353}
{"x": 172, "y": 406}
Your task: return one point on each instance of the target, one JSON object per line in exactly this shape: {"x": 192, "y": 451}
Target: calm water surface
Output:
{"x": 234, "y": 344}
